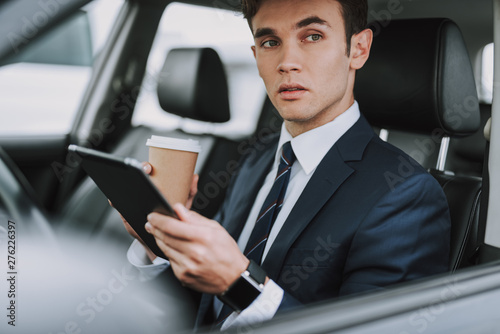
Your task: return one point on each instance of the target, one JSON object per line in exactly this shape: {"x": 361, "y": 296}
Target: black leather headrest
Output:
{"x": 193, "y": 84}
{"x": 472, "y": 148}
{"x": 419, "y": 78}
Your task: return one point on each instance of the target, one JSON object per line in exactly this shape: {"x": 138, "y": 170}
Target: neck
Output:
{"x": 298, "y": 127}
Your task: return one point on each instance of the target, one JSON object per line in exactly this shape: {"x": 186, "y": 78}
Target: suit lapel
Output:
{"x": 327, "y": 178}
{"x": 330, "y": 174}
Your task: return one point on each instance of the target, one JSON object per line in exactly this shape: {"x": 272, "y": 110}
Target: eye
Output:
{"x": 270, "y": 44}
{"x": 313, "y": 38}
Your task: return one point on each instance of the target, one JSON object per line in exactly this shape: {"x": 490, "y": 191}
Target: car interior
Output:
{"x": 420, "y": 90}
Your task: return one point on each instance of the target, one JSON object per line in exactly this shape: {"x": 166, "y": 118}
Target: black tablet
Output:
{"x": 125, "y": 184}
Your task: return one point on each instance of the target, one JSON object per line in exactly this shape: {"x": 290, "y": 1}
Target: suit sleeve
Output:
{"x": 405, "y": 236}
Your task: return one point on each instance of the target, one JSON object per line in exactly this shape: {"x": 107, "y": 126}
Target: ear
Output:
{"x": 253, "y": 50}
{"x": 361, "y": 44}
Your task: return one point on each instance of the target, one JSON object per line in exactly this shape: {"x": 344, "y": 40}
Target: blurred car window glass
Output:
{"x": 43, "y": 84}
{"x": 486, "y": 90}
{"x": 228, "y": 33}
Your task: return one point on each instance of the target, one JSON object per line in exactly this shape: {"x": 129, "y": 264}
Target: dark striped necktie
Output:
{"x": 270, "y": 209}
{"x": 272, "y": 206}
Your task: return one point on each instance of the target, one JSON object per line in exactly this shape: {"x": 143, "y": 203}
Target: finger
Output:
{"x": 189, "y": 202}
{"x": 147, "y": 167}
{"x": 182, "y": 212}
{"x": 191, "y": 217}
{"x": 173, "y": 255}
{"x": 159, "y": 236}
{"x": 172, "y": 247}
{"x": 111, "y": 204}
{"x": 192, "y": 191}
{"x": 149, "y": 228}
{"x": 170, "y": 226}
{"x": 194, "y": 185}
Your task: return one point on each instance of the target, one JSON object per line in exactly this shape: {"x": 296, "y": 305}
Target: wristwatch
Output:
{"x": 246, "y": 289}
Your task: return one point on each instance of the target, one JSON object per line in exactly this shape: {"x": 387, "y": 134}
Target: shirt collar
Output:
{"x": 321, "y": 138}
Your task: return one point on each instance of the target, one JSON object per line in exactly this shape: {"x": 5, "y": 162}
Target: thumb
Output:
{"x": 147, "y": 167}
{"x": 189, "y": 216}
{"x": 182, "y": 212}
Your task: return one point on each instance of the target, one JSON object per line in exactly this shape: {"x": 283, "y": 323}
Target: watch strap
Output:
{"x": 246, "y": 288}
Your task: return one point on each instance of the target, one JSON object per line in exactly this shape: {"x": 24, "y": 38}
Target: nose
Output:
{"x": 290, "y": 59}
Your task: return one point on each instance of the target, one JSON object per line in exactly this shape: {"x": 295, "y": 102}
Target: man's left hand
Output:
{"x": 202, "y": 254}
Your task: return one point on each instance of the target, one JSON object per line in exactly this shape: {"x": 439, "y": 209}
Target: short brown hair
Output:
{"x": 354, "y": 13}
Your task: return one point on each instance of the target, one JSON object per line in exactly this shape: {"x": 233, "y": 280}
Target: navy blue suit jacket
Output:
{"x": 369, "y": 217}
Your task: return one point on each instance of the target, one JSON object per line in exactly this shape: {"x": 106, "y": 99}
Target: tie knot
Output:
{"x": 287, "y": 154}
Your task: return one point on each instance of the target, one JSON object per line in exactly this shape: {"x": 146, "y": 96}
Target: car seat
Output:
{"x": 419, "y": 80}
{"x": 466, "y": 155}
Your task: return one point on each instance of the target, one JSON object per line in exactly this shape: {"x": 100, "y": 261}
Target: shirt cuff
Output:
{"x": 148, "y": 270}
{"x": 263, "y": 308}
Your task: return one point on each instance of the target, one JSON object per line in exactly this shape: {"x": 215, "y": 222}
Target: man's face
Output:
{"x": 300, "y": 49}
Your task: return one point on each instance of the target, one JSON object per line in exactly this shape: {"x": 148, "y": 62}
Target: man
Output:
{"x": 336, "y": 226}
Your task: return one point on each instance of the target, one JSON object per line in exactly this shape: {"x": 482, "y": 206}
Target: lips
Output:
{"x": 290, "y": 88}
{"x": 291, "y": 91}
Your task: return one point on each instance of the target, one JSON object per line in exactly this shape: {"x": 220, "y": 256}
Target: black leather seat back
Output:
{"x": 466, "y": 155}
{"x": 464, "y": 196}
{"x": 419, "y": 80}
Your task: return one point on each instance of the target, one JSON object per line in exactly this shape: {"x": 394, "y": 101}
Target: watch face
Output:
{"x": 251, "y": 280}
{"x": 246, "y": 289}
{"x": 242, "y": 293}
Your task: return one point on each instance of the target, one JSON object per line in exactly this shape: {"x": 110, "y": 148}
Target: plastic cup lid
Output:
{"x": 189, "y": 145}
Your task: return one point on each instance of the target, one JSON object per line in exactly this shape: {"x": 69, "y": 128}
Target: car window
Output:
{"x": 486, "y": 89}
{"x": 226, "y": 32}
{"x": 43, "y": 84}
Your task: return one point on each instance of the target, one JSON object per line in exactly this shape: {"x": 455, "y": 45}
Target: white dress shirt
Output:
{"x": 321, "y": 139}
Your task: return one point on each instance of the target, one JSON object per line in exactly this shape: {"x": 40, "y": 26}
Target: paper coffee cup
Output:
{"x": 173, "y": 162}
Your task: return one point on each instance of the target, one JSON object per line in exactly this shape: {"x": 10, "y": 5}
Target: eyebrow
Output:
{"x": 261, "y": 32}
{"x": 311, "y": 20}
